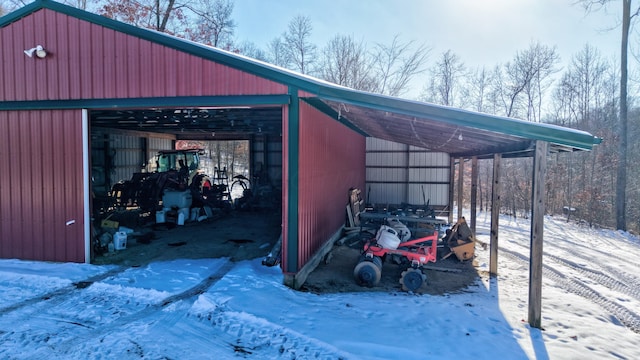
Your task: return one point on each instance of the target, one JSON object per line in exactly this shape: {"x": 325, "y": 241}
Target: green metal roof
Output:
{"x": 439, "y": 128}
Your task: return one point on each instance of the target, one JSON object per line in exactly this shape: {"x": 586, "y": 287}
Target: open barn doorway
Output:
{"x": 226, "y": 202}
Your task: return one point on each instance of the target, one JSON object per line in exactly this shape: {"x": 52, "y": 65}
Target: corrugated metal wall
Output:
{"x": 41, "y": 185}
{"x": 85, "y": 61}
{"x": 89, "y": 61}
{"x": 399, "y": 173}
{"x": 266, "y": 153}
{"x": 117, "y": 155}
{"x": 330, "y": 163}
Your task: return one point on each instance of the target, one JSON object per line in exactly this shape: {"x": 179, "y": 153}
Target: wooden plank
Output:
{"x": 495, "y": 214}
{"x": 537, "y": 234}
{"x": 350, "y": 216}
{"x": 296, "y": 280}
{"x": 452, "y": 171}
{"x": 356, "y": 205}
{"x": 440, "y": 268}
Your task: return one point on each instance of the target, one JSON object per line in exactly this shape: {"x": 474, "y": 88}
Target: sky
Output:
{"x": 218, "y": 309}
{"x": 481, "y": 33}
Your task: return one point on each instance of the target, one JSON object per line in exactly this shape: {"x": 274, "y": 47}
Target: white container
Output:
{"x": 160, "y": 219}
{"x": 120, "y": 240}
{"x": 403, "y": 231}
{"x": 125, "y": 229}
{"x": 387, "y": 237}
{"x": 184, "y": 212}
{"x": 180, "y": 218}
{"x": 179, "y": 199}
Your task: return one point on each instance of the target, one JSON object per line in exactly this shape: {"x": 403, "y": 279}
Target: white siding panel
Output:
{"x": 387, "y": 159}
{"x": 435, "y": 194}
{"x": 432, "y": 159}
{"x": 398, "y": 173}
{"x": 384, "y": 145}
{"x": 426, "y": 175}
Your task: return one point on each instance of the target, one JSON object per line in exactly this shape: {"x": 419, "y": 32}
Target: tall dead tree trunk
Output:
{"x": 621, "y": 183}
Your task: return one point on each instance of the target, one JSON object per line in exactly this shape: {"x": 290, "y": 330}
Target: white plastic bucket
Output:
{"x": 403, "y": 231}
{"x": 180, "y": 199}
{"x": 387, "y": 237}
{"x": 120, "y": 240}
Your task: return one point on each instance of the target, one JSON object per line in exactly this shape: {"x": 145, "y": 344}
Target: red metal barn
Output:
{"x": 74, "y": 85}
{"x": 94, "y": 64}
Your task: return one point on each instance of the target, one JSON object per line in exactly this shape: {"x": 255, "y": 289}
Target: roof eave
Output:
{"x": 576, "y": 139}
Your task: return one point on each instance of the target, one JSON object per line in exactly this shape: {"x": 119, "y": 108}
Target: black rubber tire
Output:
{"x": 412, "y": 279}
{"x": 368, "y": 272}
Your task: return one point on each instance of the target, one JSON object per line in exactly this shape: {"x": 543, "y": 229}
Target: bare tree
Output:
{"x": 165, "y": 16}
{"x": 477, "y": 89}
{"x": 252, "y": 50}
{"x": 297, "y": 38}
{"x": 578, "y": 101}
{"x": 396, "y": 64}
{"x": 526, "y": 75}
{"x": 345, "y": 62}
{"x": 214, "y": 24}
{"x": 10, "y": 5}
{"x": 544, "y": 60}
{"x": 446, "y": 77}
{"x": 277, "y": 53}
{"x": 621, "y": 182}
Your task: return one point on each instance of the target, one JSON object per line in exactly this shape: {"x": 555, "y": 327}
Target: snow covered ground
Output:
{"x": 217, "y": 309}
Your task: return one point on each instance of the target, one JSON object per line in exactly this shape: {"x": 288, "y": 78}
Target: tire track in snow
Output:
{"x": 627, "y": 317}
{"x": 621, "y": 276}
{"x": 255, "y": 334}
{"x": 628, "y": 286}
{"x": 61, "y": 294}
{"x": 243, "y": 333}
{"x": 121, "y": 318}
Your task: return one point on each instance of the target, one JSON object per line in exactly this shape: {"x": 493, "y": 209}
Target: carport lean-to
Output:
{"x": 105, "y": 74}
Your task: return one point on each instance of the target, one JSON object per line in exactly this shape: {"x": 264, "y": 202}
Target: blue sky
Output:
{"x": 480, "y": 32}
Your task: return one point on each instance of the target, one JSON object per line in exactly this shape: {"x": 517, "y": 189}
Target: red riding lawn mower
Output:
{"x": 387, "y": 243}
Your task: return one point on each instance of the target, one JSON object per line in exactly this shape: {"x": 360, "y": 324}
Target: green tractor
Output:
{"x": 177, "y": 170}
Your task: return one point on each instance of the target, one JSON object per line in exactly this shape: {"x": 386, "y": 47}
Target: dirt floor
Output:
{"x": 251, "y": 235}
{"x": 336, "y": 274}
{"x": 237, "y": 235}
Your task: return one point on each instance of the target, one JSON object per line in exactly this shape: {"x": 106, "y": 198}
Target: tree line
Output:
{"x": 601, "y": 187}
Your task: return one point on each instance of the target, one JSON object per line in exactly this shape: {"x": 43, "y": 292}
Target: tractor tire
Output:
{"x": 412, "y": 279}
{"x": 368, "y": 271}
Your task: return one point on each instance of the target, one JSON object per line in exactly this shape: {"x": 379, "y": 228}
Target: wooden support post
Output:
{"x": 460, "y": 187}
{"x": 452, "y": 172}
{"x": 495, "y": 214}
{"x": 474, "y": 193}
{"x": 537, "y": 232}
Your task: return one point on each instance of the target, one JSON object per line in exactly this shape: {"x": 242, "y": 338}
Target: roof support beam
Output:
{"x": 161, "y": 102}
{"x": 495, "y": 214}
{"x": 452, "y": 174}
{"x": 290, "y": 230}
{"x": 537, "y": 233}
{"x": 474, "y": 192}
{"x": 460, "y": 186}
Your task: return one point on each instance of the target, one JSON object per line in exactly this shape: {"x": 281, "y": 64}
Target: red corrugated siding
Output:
{"x": 89, "y": 61}
{"x": 332, "y": 160}
{"x": 41, "y": 185}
